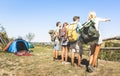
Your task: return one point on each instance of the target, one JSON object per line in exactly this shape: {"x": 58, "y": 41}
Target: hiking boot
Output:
{"x": 91, "y": 69}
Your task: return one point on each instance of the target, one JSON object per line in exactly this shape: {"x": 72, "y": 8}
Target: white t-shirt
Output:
{"x": 56, "y": 32}
{"x": 97, "y": 21}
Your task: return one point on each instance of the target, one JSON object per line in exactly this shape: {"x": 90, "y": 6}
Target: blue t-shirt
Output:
{"x": 79, "y": 26}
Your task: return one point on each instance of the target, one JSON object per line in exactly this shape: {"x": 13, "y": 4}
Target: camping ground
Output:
{"x": 42, "y": 64}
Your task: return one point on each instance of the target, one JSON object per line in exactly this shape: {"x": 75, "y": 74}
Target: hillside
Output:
{"x": 42, "y": 64}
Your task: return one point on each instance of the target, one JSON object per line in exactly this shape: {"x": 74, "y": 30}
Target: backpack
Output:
{"x": 72, "y": 33}
{"x": 89, "y": 34}
{"x": 52, "y": 35}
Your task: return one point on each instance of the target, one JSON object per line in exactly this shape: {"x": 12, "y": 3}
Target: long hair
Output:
{"x": 65, "y": 24}
{"x": 91, "y": 15}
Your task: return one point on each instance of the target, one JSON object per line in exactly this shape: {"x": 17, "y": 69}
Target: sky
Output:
{"x": 20, "y": 17}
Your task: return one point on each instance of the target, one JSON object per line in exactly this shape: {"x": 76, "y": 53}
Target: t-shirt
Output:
{"x": 97, "y": 21}
{"x": 79, "y": 26}
{"x": 56, "y": 32}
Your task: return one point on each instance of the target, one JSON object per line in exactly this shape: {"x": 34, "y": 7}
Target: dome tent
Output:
{"x": 18, "y": 45}
{"x": 30, "y": 45}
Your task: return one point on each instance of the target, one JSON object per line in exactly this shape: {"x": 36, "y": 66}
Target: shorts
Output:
{"x": 57, "y": 46}
{"x": 76, "y": 47}
{"x": 64, "y": 43}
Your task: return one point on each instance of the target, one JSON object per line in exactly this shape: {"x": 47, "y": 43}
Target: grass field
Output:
{"x": 42, "y": 64}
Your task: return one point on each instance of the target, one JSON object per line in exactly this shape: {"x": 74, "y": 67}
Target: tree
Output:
{"x": 30, "y": 36}
{"x": 2, "y": 29}
{"x": 4, "y": 40}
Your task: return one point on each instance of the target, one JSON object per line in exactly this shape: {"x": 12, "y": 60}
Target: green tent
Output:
{"x": 31, "y": 45}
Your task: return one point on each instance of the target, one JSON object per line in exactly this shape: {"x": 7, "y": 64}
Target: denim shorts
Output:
{"x": 57, "y": 46}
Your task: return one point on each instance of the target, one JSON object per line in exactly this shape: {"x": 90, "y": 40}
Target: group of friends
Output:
{"x": 61, "y": 41}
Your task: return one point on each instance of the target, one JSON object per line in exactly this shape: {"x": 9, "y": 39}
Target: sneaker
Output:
{"x": 63, "y": 62}
{"x": 67, "y": 62}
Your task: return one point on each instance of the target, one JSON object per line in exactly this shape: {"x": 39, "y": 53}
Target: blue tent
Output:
{"x": 18, "y": 45}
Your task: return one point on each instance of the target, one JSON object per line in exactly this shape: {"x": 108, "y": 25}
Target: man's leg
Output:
{"x": 79, "y": 60}
{"x": 56, "y": 54}
{"x": 80, "y": 51}
{"x": 72, "y": 58}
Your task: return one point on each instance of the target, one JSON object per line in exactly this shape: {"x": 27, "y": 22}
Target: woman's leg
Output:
{"x": 95, "y": 55}
{"x": 66, "y": 53}
{"x": 92, "y": 50}
{"x": 91, "y": 59}
{"x": 63, "y": 53}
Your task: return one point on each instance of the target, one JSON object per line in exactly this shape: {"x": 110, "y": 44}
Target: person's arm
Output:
{"x": 79, "y": 26}
{"x": 58, "y": 33}
{"x": 103, "y": 19}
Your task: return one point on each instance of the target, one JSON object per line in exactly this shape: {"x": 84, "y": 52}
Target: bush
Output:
{"x": 111, "y": 55}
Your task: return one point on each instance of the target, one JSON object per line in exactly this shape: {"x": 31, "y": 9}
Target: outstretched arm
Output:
{"x": 104, "y": 19}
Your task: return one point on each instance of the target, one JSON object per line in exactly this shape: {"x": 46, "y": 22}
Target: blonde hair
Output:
{"x": 91, "y": 15}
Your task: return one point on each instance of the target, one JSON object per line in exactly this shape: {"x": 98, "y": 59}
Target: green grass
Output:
{"x": 42, "y": 64}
